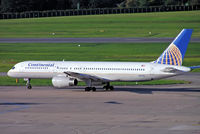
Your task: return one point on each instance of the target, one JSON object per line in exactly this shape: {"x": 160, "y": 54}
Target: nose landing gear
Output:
{"x": 28, "y": 84}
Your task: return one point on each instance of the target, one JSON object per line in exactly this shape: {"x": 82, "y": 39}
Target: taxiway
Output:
{"x": 89, "y": 40}
{"x": 161, "y": 109}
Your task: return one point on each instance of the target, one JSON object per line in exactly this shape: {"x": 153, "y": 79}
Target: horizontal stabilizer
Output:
{"x": 194, "y": 67}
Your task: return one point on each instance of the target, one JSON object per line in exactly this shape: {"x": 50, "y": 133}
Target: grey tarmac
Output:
{"x": 140, "y": 109}
{"x": 90, "y": 40}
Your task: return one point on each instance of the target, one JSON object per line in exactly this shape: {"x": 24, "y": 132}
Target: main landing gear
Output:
{"x": 108, "y": 87}
{"x": 28, "y": 84}
{"x": 87, "y": 89}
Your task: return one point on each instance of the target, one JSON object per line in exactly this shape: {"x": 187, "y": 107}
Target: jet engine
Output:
{"x": 63, "y": 81}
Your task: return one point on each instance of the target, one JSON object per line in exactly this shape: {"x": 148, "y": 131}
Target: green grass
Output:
{"x": 163, "y": 24}
{"x": 5, "y": 81}
{"x": 10, "y": 53}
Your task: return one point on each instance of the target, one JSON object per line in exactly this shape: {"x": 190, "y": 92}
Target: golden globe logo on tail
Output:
{"x": 171, "y": 56}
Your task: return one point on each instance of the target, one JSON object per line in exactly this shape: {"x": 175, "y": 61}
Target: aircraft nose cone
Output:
{"x": 9, "y": 73}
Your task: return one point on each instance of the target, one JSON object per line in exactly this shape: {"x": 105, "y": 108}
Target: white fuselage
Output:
{"x": 112, "y": 71}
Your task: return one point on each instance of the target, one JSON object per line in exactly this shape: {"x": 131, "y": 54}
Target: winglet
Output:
{"x": 175, "y": 52}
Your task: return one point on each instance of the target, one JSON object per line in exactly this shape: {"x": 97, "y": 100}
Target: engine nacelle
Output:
{"x": 63, "y": 81}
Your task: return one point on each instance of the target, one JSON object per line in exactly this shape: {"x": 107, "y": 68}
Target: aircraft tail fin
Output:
{"x": 175, "y": 52}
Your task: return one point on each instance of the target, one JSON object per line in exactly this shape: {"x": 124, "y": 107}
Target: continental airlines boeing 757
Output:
{"x": 69, "y": 73}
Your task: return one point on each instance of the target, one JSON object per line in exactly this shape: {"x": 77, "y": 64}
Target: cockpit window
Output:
{"x": 13, "y": 67}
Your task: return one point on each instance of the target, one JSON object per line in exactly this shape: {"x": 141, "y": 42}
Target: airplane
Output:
{"x": 69, "y": 73}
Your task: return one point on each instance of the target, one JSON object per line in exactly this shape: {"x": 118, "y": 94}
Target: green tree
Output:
{"x": 132, "y": 3}
{"x": 179, "y": 2}
{"x": 20, "y": 5}
{"x": 143, "y": 3}
{"x": 7, "y": 5}
{"x": 194, "y": 2}
{"x": 104, "y": 3}
{"x": 122, "y": 4}
{"x": 155, "y": 2}
{"x": 51, "y": 4}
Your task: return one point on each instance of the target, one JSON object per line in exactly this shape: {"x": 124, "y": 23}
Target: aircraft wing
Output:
{"x": 86, "y": 76}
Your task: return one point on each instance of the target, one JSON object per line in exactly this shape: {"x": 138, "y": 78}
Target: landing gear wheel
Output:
{"x": 111, "y": 88}
{"x": 105, "y": 88}
{"x": 87, "y": 89}
{"x": 29, "y": 86}
{"x": 93, "y": 89}
{"x": 108, "y": 87}
{"x": 29, "y": 83}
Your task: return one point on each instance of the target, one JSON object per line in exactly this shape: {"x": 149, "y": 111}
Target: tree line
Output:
{"x": 42, "y": 5}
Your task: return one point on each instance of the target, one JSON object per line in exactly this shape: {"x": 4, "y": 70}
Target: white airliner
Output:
{"x": 68, "y": 73}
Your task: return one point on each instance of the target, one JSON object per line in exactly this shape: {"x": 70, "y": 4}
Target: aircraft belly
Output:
{"x": 161, "y": 76}
{"x": 42, "y": 75}
{"x": 126, "y": 77}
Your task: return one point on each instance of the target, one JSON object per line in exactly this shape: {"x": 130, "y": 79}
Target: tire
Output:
{"x": 106, "y": 88}
{"x": 93, "y": 89}
{"x": 29, "y": 86}
{"x": 87, "y": 89}
{"x": 111, "y": 88}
